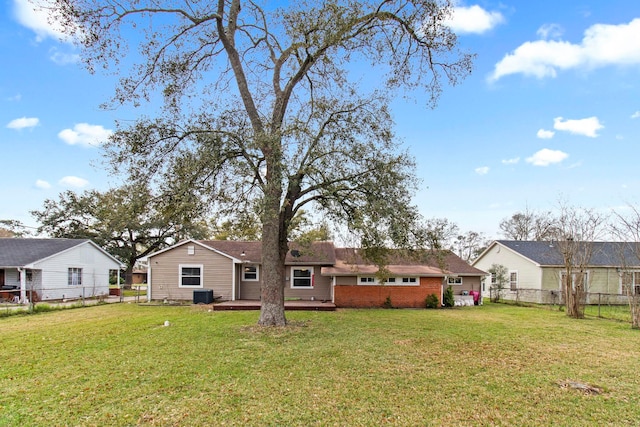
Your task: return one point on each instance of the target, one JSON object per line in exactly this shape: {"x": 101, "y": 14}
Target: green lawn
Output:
{"x": 491, "y": 365}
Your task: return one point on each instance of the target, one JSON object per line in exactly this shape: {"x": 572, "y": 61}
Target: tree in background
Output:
{"x": 263, "y": 108}
{"x": 129, "y": 222}
{"x": 243, "y": 226}
{"x": 440, "y": 233}
{"x": 499, "y": 280}
{"x": 575, "y": 230}
{"x": 528, "y": 225}
{"x": 468, "y": 246}
{"x": 627, "y": 228}
{"x": 13, "y": 228}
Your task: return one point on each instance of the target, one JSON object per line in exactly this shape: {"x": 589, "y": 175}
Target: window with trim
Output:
{"x": 513, "y": 280}
{"x": 454, "y": 280}
{"x": 631, "y": 281}
{"x": 250, "y": 273}
{"x": 75, "y": 277}
{"x": 190, "y": 276}
{"x": 409, "y": 280}
{"x": 302, "y": 277}
{"x": 367, "y": 280}
{"x": 494, "y": 279}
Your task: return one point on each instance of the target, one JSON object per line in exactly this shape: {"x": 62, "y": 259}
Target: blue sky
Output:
{"x": 551, "y": 111}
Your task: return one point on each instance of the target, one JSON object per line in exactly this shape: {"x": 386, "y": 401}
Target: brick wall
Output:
{"x": 360, "y": 296}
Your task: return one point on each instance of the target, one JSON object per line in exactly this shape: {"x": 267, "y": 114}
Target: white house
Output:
{"x": 53, "y": 269}
{"x": 535, "y": 270}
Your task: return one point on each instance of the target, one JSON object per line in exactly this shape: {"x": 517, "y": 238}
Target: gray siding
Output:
{"x": 217, "y": 273}
{"x": 250, "y": 290}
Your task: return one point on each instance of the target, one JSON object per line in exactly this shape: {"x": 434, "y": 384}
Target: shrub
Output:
{"x": 387, "y": 303}
{"x": 432, "y": 301}
{"x": 448, "y": 299}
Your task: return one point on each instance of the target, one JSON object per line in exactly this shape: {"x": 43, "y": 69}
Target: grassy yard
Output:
{"x": 492, "y": 365}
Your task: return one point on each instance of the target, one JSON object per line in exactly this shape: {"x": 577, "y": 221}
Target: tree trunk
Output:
{"x": 273, "y": 275}
{"x": 274, "y": 241}
{"x": 128, "y": 276}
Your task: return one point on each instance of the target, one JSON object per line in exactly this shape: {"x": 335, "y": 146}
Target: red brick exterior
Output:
{"x": 360, "y": 296}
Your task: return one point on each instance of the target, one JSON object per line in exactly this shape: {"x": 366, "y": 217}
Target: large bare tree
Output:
{"x": 276, "y": 106}
{"x": 626, "y": 227}
{"x": 575, "y": 230}
{"x": 528, "y": 225}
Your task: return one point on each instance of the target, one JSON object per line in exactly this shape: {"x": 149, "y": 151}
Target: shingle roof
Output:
{"x": 350, "y": 262}
{"x": 20, "y": 252}
{"x": 319, "y": 253}
{"x": 605, "y": 254}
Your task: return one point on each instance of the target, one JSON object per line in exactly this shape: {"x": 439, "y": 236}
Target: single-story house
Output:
{"x": 138, "y": 276}
{"x": 321, "y": 272}
{"x": 535, "y": 270}
{"x": 54, "y": 269}
{"x": 407, "y": 281}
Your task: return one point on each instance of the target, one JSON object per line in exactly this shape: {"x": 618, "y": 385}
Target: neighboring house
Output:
{"x": 535, "y": 270}
{"x": 54, "y": 269}
{"x": 138, "y": 277}
{"x": 232, "y": 269}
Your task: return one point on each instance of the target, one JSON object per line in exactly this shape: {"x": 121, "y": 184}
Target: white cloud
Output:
{"x": 73, "y": 181}
{"x": 545, "y": 134}
{"x": 43, "y": 184}
{"x": 23, "y": 122}
{"x": 545, "y": 157}
{"x": 602, "y": 45}
{"x": 550, "y": 31}
{"x": 511, "y": 161}
{"x": 28, "y": 15}
{"x": 635, "y": 115}
{"x": 482, "y": 170}
{"x": 587, "y": 127}
{"x": 473, "y": 19}
{"x": 62, "y": 58}
{"x": 85, "y": 134}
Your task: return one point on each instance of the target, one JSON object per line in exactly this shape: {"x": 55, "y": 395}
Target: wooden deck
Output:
{"x": 288, "y": 305}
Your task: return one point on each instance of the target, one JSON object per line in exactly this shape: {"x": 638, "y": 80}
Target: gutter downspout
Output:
{"x": 333, "y": 289}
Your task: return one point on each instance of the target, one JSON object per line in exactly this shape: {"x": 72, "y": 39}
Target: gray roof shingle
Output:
{"x": 605, "y": 254}
{"x": 20, "y": 252}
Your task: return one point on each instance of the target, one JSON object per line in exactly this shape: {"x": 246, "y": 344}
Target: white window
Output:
{"x": 190, "y": 275}
{"x": 250, "y": 273}
{"x": 302, "y": 277}
{"x": 454, "y": 280}
{"x": 191, "y": 250}
{"x": 367, "y": 280}
{"x": 75, "y": 277}
{"x": 494, "y": 279}
{"x": 409, "y": 280}
{"x": 513, "y": 280}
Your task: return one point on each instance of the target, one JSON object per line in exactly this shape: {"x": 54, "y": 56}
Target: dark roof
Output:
{"x": 319, "y": 253}
{"x": 422, "y": 262}
{"x": 20, "y": 252}
{"x": 605, "y": 254}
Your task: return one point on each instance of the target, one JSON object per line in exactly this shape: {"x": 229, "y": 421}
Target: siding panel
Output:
{"x": 165, "y": 276}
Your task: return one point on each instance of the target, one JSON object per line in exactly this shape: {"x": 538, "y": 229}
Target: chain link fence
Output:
{"x": 597, "y": 304}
